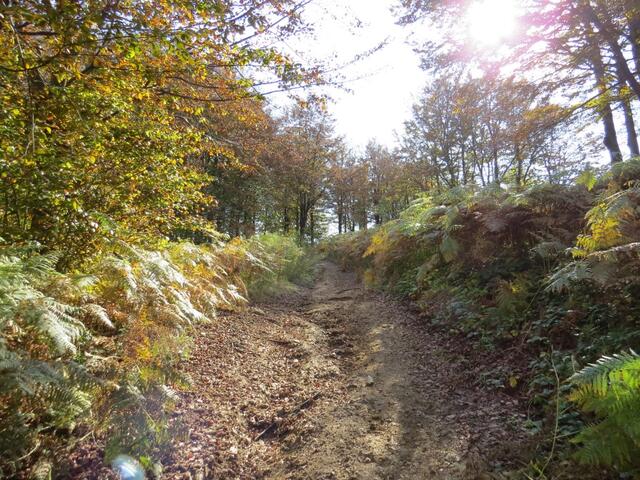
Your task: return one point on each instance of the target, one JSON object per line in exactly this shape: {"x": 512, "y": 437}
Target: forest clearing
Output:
{"x": 316, "y": 239}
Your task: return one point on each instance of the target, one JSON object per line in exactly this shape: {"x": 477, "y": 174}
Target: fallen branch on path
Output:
{"x": 274, "y": 426}
{"x": 339, "y": 299}
{"x": 347, "y": 290}
{"x": 286, "y": 343}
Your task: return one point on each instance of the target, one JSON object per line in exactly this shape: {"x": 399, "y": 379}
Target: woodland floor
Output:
{"x": 345, "y": 383}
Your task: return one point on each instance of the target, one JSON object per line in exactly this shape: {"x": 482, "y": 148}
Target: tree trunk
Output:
{"x": 286, "y": 221}
{"x": 634, "y": 30}
{"x": 463, "y": 162}
{"x": 312, "y": 227}
{"x": 632, "y": 136}
{"x": 518, "y": 160}
{"x": 303, "y": 215}
{"x": 610, "y": 136}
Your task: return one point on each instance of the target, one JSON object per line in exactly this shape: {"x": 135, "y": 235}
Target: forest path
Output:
{"x": 396, "y": 419}
{"x": 334, "y": 382}
{"x": 402, "y": 410}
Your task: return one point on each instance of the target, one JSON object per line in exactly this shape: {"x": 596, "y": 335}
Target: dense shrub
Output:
{"x": 550, "y": 271}
{"x": 348, "y": 249}
{"x": 272, "y": 264}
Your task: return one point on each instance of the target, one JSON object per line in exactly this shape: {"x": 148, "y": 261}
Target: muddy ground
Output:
{"x": 334, "y": 382}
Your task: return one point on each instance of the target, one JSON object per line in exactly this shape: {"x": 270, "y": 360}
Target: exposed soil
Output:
{"x": 333, "y": 382}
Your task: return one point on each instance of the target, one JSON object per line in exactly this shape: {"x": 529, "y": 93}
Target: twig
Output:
{"x": 346, "y": 290}
{"x": 286, "y": 343}
{"x": 28, "y": 454}
{"x": 274, "y": 426}
{"x": 555, "y": 429}
{"x": 305, "y": 404}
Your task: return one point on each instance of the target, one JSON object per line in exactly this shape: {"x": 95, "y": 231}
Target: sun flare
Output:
{"x": 492, "y": 22}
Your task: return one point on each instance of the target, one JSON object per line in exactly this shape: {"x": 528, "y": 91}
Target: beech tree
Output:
{"x": 481, "y": 131}
{"x": 587, "y": 51}
{"x": 108, "y": 105}
{"x": 304, "y": 164}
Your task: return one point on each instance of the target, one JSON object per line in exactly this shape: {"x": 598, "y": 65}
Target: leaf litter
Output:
{"x": 333, "y": 382}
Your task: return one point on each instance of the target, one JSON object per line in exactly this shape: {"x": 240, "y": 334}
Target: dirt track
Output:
{"x": 333, "y": 382}
{"x": 404, "y": 414}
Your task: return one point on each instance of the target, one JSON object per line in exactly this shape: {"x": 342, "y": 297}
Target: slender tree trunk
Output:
{"x": 632, "y": 135}
{"x": 626, "y": 75}
{"x": 312, "y": 227}
{"x": 610, "y": 136}
{"x": 286, "y": 221}
{"x": 303, "y": 208}
{"x": 451, "y": 169}
{"x": 463, "y": 162}
{"x": 634, "y": 30}
{"x": 476, "y": 163}
{"x": 518, "y": 160}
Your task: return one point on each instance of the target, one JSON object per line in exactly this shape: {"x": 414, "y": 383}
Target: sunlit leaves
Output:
{"x": 105, "y": 108}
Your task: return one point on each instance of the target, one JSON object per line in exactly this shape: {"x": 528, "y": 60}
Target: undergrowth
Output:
{"x": 275, "y": 264}
{"x": 97, "y": 352}
{"x": 546, "y": 280}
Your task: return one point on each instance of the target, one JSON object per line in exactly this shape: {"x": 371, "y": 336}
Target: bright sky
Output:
{"x": 383, "y": 86}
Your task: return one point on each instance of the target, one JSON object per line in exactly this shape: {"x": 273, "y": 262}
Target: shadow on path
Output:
{"x": 400, "y": 413}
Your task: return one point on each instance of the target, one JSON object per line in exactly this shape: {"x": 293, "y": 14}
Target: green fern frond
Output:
{"x": 98, "y": 315}
{"x": 49, "y": 360}
{"x": 610, "y": 388}
{"x": 563, "y": 278}
{"x": 549, "y": 249}
{"x": 604, "y": 366}
{"x": 41, "y": 266}
{"x": 57, "y": 321}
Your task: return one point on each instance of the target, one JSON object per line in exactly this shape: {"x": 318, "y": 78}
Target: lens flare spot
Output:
{"x": 492, "y": 22}
{"x": 127, "y": 468}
